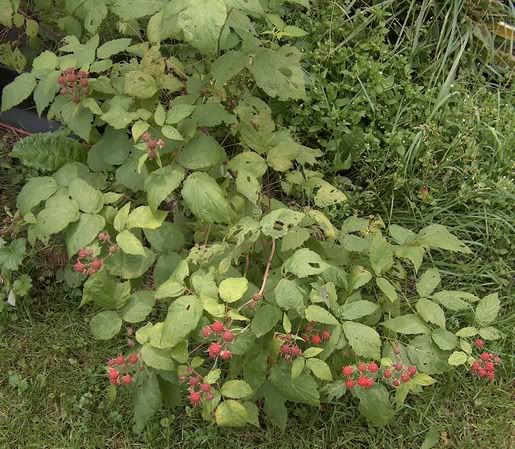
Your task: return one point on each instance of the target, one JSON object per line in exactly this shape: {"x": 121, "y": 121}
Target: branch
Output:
{"x": 267, "y": 269}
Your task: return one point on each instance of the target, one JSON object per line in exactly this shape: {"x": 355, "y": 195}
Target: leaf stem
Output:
{"x": 267, "y": 269}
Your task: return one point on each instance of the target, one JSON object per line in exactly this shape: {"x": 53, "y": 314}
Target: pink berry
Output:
{"x": 61, "y": 80}
{"x": 120, "y": 360}
{"x": 485, "y": 356}
{"x": 84, "y": 82}
{"x": 133, "y": 358}
{"x": 113, "y": 249}
{"x": 412, "y": 370}
{"x": 347, "y": 371}
{"x": 349, "y": 383}
{"x": 104, "y": 236}
{"x": 64, "y": 91}
{"x": 127, "y": 379}
{"x": 195, "y": 398}
{"x": 398, "y": 366}
{"x": 396, "y": 382}
{"x": 397, "y": 350}
{"x": 152, "y": 144}
{"x": 206, "y": 331}
{"x": 362, "y": 366}
{"x": 228, "y": 336}
{"x": 110, "y": 362}
{"x": 479, "y": 343}
{"x": 193, "y": 381}
{"x": 113, "y": 374}
{"x": 214, "y": 350}
{"x": 475, "y": 366}
{"x": 316, "y": 339}
{"x": 405, "y": 377}
{"x": 210, "y": 396}
{"x": 79, "y": 267}
{"x": 96, "y": 264}
{"x": 372, "y": 367}
{"x": 325, "y": 335}
{"x": 296, "y": 351}
{"x": 217, "y": 327}
{"x": 285, "y": 350}
{"x": 387, "y": 373}
{"x": 83, "y": 74}
{"x": 364, "y": 382}
{"x": 83, "y": 253}
{"x": 481, "y": 372}
{"x": 206, "y": 388}
{"x": 226, "y": 355}
{"x": 145, "y": 135}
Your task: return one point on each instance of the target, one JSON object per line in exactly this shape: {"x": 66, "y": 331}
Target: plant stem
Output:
{"x": 267, "y": 269}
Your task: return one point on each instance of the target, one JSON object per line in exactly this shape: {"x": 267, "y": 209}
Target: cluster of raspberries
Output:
{"x": 223, "y": 335}
{"x": 289, "y": 349}
{"x": 484, "y": 366}
{"x": 199, "y": 390}
{"x": 121, "y": 369}
{"x": 153, "y": 145}
{"x": 74, "y": 83}
{"x": 314, "y": 336}
{"x": 94, "y": 264}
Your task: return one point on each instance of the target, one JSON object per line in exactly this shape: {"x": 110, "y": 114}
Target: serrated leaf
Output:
{"x": 467, "y": 332}
{"x": 250, "y": 162}
{"x": 138, "y": 306}
{"x": 303, "y": 263}
{"x": 231, "y": 413}
{"x": 201, "y": 153}
{"x": 438, "y": 236}
{"x": 375, "y": 405}
{"x": 83, "y": 232}
{"x": 294, "y": 238}
{"x": 363, "y": 340}
{"x": 387, "y": 288}
{"x": 358, "y": 309}
{"x": 302, "y": 389}
{"x": 113, "y": 47}
{"x": 161, "y": 183}
{"x": 289, "y": 296}
{"x": 381, "y": 254}
{"x": 105, "y": 325}
{"x": 236, "y": 389}
{"x": 490, "y": 333}
{"x": 320, "y": 315}
{"x": 89, "y": 199}
{"x": 320, "y": 369}
{"x": 278, "y": 223}
{"x": 406, "y": 324}
{"x": 35, "y": 191}
{"x": 183, "y": 316}
{"x": 266, "y": 317}
{"x": 233, "y": 289}
{"x": 104, "y": 291}
{"x": 431, "y": 312}
{"x": 451, "y": 300}
{"x": 487, "y": 309}
{"x": 11, "y": 256}
{"x": 359, "y": 276}
{"x": 457, "y": 358}
{"x": 227, "y": 66}
{"x": 145, "y": 218}
{"x": 18, "y": 90}
{"x": 297, "y": 367}
{"x": 157, "y": 358}
{"x": 444, "y": 339}
{"x": 428, "y": 282}
{"x": 147, "y": 399}
{"x": 129, "y": 243}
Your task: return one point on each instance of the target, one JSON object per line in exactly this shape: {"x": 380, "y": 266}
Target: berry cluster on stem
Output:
{"x": 74, "y": 83}
{"x": 153, "y": 145}
{"x": 223, "y": 336}
{"x": 198, "y": 390}
{"x": 121, "y": 369}
{"x": 484, "y": 366}
{"x": 87, "y": 267}
{"x": 314, "y": 336}
{"x": 289, "y": 350}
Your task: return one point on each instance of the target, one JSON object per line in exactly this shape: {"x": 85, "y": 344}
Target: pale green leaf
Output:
{"x": 363, "y": 340}
{"x": 105, "y": 325}
{"x": 233, "y": 289}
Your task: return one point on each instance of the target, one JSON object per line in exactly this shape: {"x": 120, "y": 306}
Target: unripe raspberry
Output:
{"x": 127, "y": 379}
{"x": 69, "y": 70}
{"x": 325, "y": 335}
{"x": 397, "y": 350}
{"x": 145, "y": 135}
{"x": 194, "y": 381}
{"x": 479, "y": 343}
{"x": 76, "y": 99}
{"x": 206, "y": 388}
{"x": 349, "y": 383}
{"x": 61, "y": 80}
{"x": 96, "y": 264}
{"x": 315, "y": 339}
{"x": 84, "y": 82}
{"x": 110, "y": 362}
{"x": 412, "y": 370}
{"x": 396, "y": 382}
{"x": 296, "y": 351}
{"x": 120, "y": 360}
{"x": 160, "y": 143}
{"x": 217, "y": 327}
{"x": 226, "y": 355}
{"x": 405, "y": 377}
{"x": 64, "y": 91}
{"x": 397, "y": 366}
{"x": 82, "y": 74}
{"x": 210, "y": 396}
{"x": 113, "y": 249}
{"x": 347, "y": 371}
{"x": 214, "y": 350}
{"x": 79, "y": 267}
{"x": 362, "y": 366}
{"x": 85, "y": 90}
{"x": 104, "y": 236}
{"x": 257, "y": 296}
{"x": 83, "y": 253}
{"x": 206, "y": 331}
{"x": 489, "y": 366}
{"x": 195, "y": 398}
{"x": 490, "y": 375}
{"x": 285, "y": 350}
{"x": 130, "y": 343}
{"x": 228, "y": 336}
{"x": 387, "y": 373}
{"x": 485, "y": 356}
{"x": 497, "y": 360}
{"x": 152, "y": 144}
{"x": 133, "y": 358}
{"x": 372, "y": 367}
{"x": 71, "y": 77}
{"x": 113, "y": 373}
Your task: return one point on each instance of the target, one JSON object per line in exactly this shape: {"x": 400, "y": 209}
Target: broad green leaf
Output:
{"x": 249, "y": 162}
{"x": 231, "y": 413}
{"x": 406, "y": 324}
{"x": 112, "y": 149}
{"x": 113, "y": 47}
{"x": 171, "y": 133}
{"x": 320, "y": 315}
{"x": 147, "y": 399}
{"x": 143, "y": 217}
{"x": 78, "y": 118}
{"x": 44, "y": 64}
{"x": 105, "y": 325}
{"x": 423, "y": 379}
{"x": 354, "y": 243}
{"x": 467, "y": 332}
{"x": 89, "y": 199}
{"x": 289, "y": 296}
{"x": 312, "y": 352}
{"x": 375, "y": 405}
{"x": 136, "y": 9}
{"x": 129, "y": 243}
{"x": 121, "y": 218}
{"x": 415, "y": 254}
{"x": 212, "y": 114}
{"x": 363, "y": 340}
{"x": 452, "y": 300}
{"x": 59, "y": 212}
{"x": 11, "y": 255}
{"x": 233, "y": 289}
{"x": 428, "y": 282}
{"x": 35, "y": 191}
{"x": 487, "y": 309}
{"x": 358, "y": 277}
{"x": 302, "y": 389}
{"x": 457, "y": 358}
{"x": 105, "y": 292}
{"x": 167, "y": 238}
{"x": 119, "y": 117}
{"x": 200, "y": 153}
{"x": 328, "y": 195}
{"x": 431, "y": 439}
{"x": 294, "y": 238}
{"x": 358, "y": 309}
{"x": 320, "y": 369}
{"x": 427, "y": 357}
{"x": 228, "y": 66}
{"x": 161, "y": 183}
{"x": 236, "y": 389}
{"x": 297, "y": 367}
{"x": 381, "y": 254}
{"x": 204, "y": 197}
{"x": 354, "y": 224}
{"x": 183, "y": 316}
{"x": 303, "y": 263}
{"x": 248, "y": 185}
{"x": 275, "y": 408}
{"x": 213, "y": 376}
{"x": 138, "y": 84}
{"x": 277, "y": 223}
{"x": 83, "y": 232}
{"x": 490, "y": 333}
{"x": 138, "y": 306}
{"x": 178, "y": 113}
{"x": 401, "y": 235}
{"x": 129, "y": 266}
{"x": 17, "y": 91}
{"x": 438, "y": 236}
{"x": 387, "y": 288}
{"x": 266, "y": 317}
{"x": 157, "y": 358}
{"x": 444, "y": 339}
{"x": 45, "y": 91}
{"x": 431, "y": 312}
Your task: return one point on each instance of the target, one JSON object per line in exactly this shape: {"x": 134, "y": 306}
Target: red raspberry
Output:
{"x": 315, "y": 339}
{"x": 217, "y": 327}
{"x": 371, "y": 383}
{"x": 295, "y": 351}
{"x": 387, "y": 373}
{"x": 475, "y": 366}
{"x": 193, "y": 381}
{"x": 412, "y": 370}
{"x": 152, "y": 144}
{"x": 79, "y": 267}
{"x": 228, "y": 336}
{"x": 491, "y": 376}
{"x": 120, "y": 360}
{"x": 489, "y": 366}
{"x": 349, "y": 383}
{"x": 206, "y": 388}
{"x": 61, "y": 80}
{"x": 362, "y": 366}
{"x": 127, "y": 379}
{"x": 481, "y": 372}
{"x": 405, "y": 377}
{"x": 479, "y": 343}
{"x": 83, "y": 74}
{"x": 76, "y": 99}
{"x": 396, "y": 382}
{"x": 71, "y": 77}
{"x": 285, "y": 350}
{"x": 83, "y": 253}
{"x": 96, "y": 264}
{"x": 397, "y": 350}
{"x": 226, "y": 355}
{"x": 195, "y": 398}
{"x": 133, "y": 358}
{"x": 206, "y": 331}
{"x": 84, "y": 82}
{"x": 397, "y": 366}
{"x": 486, "y": 356}
{"x": 326, "y": 335}
{"x": 363, "y": 381}
{"x": 214, "y": 350}
{"x": 113, "y": 374}
{"x": 372, "y": 367}
{"x": 347, "y": 371}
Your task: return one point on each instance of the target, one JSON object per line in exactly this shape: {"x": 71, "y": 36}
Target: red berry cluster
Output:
{"x": 153, "y": 145}
{"x": 121, "y": 369}
{"x": 313, "y": 336}
{"x": 289, "y": 349}
{"x": 399, "y": 373}
{"x": 104, "y": 237}
{"x": 197, "y": 388}
{"x": 74, "y": 83}
{"x": 224, "y": 335}
{"x": 87, "y": 268}
{"x": 485, "y": 365}
{"x": 363, "y": 376}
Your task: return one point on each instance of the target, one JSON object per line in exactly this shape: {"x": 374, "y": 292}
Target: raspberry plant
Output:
{"x": 243, "y": 299}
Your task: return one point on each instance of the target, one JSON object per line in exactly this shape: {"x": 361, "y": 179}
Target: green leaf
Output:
{"x": 278, "y": 72}
{"x": 161, "y": 183}
{"x": 275, "y": 408}
{"x": 139, "y": 84}
{"x": 467, "y": 332}
{"x": 375, "y": 405}
{"x": 78, "y": 119}
{"x": 228, "y": 66}
{"x": 117, "y": 116}
{"x": 266, "y": 317}
{"x": 294, "y": 238}
{"x": 406, "y": 324}
{"x": 179, "y": 112}
{"x": 303, "y": 263}
{"x": 451, "y": 300}
{"x": 171, "y": 133}
{"x": 249, "y": 186}
{"x": 35, "y": 191}
{"x": 231, "y": 413}
{"x": 204, "y": 197}
{"x": 143, "y": 217}
{"x": 105, "y": 325}
{"x": 428, "y": 282}
{"x": 358, "y": 309}
{"x": 166, "y": 238}
{"x": 60, "y": 211}
{"x": 457, "y": 358}
{"x": 278, "y": 223}
{"x": 45, "y": 91}
{"x": 358, "y": 277}
{"x": 423, "y": 379}
{"x": 320, "y": 315}
{"x": 200, "y": 153}
{"x": 135, "y": 9}
{"x": 415, "y": 254}
{"x": 363, "y": 340}
{"x": 17, "y": 91}
{"x": 112, "y": 149}
{"x": 236, "y": 389}
{"x": 490, "y": 333}
{"x": 11, "y": 256}
{"x": 431, "y": 312}
{"x": 248, "y": 162}
{"x": 381, "y": 254}
{"x": 83, "y": 232}
{"x": 487, "y": 310}
{"x": 312, "y": 352}
{"x": 302, "y": 389}
{"x": 438, "y": 236}
{"x": 129, "y": 243}
{"x": 431, "y": 439}
{"x": 297, "y": 367}
{"x": 212, "y": 114}
{"x": 183, "y": 316}
{"x": 113, "y": 47}
{"x": 320, "y": 369}
{"x": 157, "y": 358}
{"x": 138, "y": 306}
{"x": 387, "y": 288}
{"x": 289, "y": 296}
{"x": 426, "y": 356}
{"x": 233, "y": 289}
{"x": 105, "y": 292}
{"x": 444, "y": 339}
{"x": 89, "y": 199}
{"x": 147, "y": 399}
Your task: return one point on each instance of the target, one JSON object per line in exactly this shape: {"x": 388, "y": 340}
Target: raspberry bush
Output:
{"x": 192, "y": 217}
